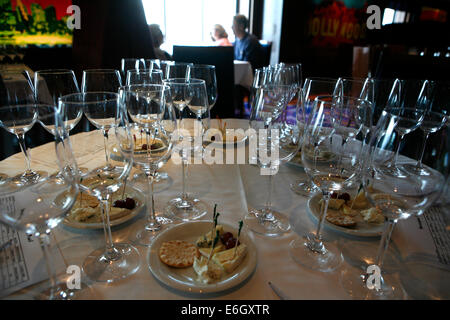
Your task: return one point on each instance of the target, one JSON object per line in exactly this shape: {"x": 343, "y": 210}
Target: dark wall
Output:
{"x": 335, "y": 61}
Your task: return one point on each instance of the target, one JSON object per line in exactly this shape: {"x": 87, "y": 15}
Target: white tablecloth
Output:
{"x": 235, "y": 188}
{"x": 243, "y": 73}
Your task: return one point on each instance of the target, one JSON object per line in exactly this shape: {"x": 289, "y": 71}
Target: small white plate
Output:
{"x": 185, "y": 279}
{"x": 140, "y": 203}
{"x": 240, "y": 139}
{"x": 362, "y": 228}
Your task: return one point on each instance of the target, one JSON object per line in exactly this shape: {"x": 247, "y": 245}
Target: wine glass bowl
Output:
{"x": 101, "y": 80}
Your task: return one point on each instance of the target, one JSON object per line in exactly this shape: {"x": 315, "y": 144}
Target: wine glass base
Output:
{"x": 62, "y": 292}
{"x": 276, "y": 225}
{"x": 144, "y": 237}
{"x": 187, "y": 209}
{"x": 161, "y": 182}
{"x": 28, "y": 178}
{"x": 394, "y": 171}
{"x": 414, "y": 169}
{"x": 362, "y": 254}
{"x": 323, "y": 262}
{"x": 303, "y": 188}
{"x": 101, "y": 269}
{"x": 353, "y": 281}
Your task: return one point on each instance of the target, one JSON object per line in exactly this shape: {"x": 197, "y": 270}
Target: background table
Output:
{"x": 236, "y": 188}
{"x": 243, "y": 73}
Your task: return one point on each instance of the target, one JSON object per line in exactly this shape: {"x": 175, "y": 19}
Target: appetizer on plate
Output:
{"x": 343, "y": 211}
{"x": 214, "y": 255}
{"x": 87, "y": 208}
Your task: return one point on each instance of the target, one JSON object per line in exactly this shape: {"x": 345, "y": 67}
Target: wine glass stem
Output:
{"x": 184, "y": 173}
{"x": 269, "y": 194}
{"x": 422, "y": 152}
{"x": 105, "y": 206}
{"x": 323, "y": 214}
{"x": 150, "y": 200}
{"x": 397, "y": 149}
{"x": 105, "y": 141}
{"x": 44, "y": 241}
{"x": 384, "y": 243}
{"x": 23, "y": 147}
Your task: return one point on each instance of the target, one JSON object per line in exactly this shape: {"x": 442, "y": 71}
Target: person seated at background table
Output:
{"x": 220, "y": 36}
{"x": 158, "y": 40}
{"x": 246, "y": 46}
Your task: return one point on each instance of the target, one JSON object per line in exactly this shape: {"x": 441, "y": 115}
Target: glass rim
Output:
{"x": 101, "y": 71}
{"x": 203, "y": 66}
{"x": 54, "y": 71}
{"x": 323, "y": 98}
{"x": 181, "y": 81}
{"x": 127, "y": 88}
{"x": 323, "y": 79}
{"x": 146, "y": 70}
{"x": 113, "y": 97}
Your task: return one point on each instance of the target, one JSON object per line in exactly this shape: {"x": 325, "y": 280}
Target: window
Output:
{"x": 190, "y": 22}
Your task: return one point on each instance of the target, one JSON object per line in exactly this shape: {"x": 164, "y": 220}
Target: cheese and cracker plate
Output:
{"x": 86, "y": 212}
{"x": 352, "y": 216}
{"x": 187, "y": 257}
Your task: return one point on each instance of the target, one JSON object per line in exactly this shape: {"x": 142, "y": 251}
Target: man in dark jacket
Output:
{"x": 246, "y": 46}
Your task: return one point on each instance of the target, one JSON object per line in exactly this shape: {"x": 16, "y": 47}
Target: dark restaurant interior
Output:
{"x": 365, "y": 41}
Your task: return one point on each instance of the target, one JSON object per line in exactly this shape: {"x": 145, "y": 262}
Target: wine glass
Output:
{"x": 272, "y": 148}
{"x": 312, "y": 88}
{"x": 207, "y": 73}
{"x": 332, "y": 167}
{"x": 150, "y": 108}
{"x": 101, "y": 80}
{"x": 409, "y": 99}
{"x": 176, "y": 70}
{"x": 190, "y": 98}
{"x": 434, "y": 119}
{"x": 397, "y": 198}
{"x": 41, "y": 205}
{"x": 18, "y": 113}
{"x": 107, "y": 154}
{"x": 131, "y": 64}
{"x": 145, "y": 76}
{"x": 49, "y": 86}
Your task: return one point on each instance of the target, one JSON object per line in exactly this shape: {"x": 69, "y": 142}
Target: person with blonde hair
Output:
{"x": 220, "y": 36}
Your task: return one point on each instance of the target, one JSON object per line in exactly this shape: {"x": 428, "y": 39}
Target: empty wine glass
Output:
{"x": 274, "y": 147}
{"x": 18, "y": 113}
{"x": 434, "y": 119}
{"x": 409, "y": 99}
{"x": 49, "y": 86}
{"x": 101, "y": 80}
{"x": 397, "y": 198}
{"x": 312, "y": 88}
{"x": 131, "y": 64}
{"x": 107, "y": 169}
{"x": 40, "y": 206}
{"x": 177, "y": 70}
{"x": 207, "y": 73}
{"x": 332, "y": 167}
{"x": 145, "y": 76}
{"x": 150, "y": 108}
{"x": 190, "y": 98}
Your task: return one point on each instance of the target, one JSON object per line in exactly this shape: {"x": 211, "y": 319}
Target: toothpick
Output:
{"x": 237, "y": 240}
{"x": 216, "y": 239}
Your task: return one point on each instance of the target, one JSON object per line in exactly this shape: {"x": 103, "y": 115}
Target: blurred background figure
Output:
{"x": 158, "y": 40}
{"x": 246, "y": 46}
{"x": 220, "y": 36}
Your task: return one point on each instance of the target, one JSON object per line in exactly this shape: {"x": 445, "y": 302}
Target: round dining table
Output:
{"x": 420, "y": 261}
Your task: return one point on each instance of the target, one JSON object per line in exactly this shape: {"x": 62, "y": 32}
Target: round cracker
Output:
{"x": 178, "y": 253}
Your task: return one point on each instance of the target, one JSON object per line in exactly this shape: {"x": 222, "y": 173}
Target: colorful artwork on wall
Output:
{"x": 34, "y": 22}
{"x": 334, "y": 22}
